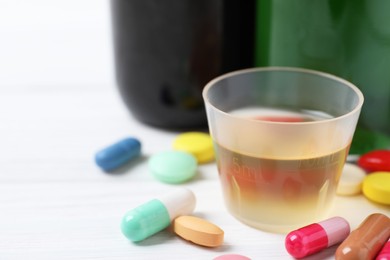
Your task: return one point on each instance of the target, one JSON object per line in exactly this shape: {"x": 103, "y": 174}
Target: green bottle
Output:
{"x": 347, "y": 38}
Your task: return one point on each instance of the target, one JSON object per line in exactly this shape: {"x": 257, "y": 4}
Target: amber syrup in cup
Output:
{"x": 281, "y": 191}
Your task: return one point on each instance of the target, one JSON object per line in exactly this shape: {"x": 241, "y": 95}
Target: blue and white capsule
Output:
{"x": 118, "y": 154}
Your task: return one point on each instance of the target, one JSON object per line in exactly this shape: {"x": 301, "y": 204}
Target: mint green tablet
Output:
{"x": 173, "y": 166}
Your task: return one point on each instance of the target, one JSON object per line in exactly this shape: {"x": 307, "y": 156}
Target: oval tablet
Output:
{"x": 173, "y": 166}
{"x": 351, "y": 180}
{"x": 198, "y": 144}
{"x": 376, "y": 187}
{"x": 378, "y": 160}
{"x": 198, "y": 231}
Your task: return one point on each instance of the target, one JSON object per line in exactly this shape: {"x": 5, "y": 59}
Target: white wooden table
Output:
{"x": 55, "y": 203}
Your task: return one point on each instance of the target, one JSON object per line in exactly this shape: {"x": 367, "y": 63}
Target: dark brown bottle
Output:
{"x": 166, "y": 51}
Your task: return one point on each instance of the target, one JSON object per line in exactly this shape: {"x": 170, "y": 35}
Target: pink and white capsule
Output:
{"x": 315, "y": 237}
{"x": 384, "y": 254}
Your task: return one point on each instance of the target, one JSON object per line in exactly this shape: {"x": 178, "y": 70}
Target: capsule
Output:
{"x": 384, "y": 254}
{"x": 315, "y": 237}
{"x": 157, "y": 214}
{"x": 367, "y": 240}
{"x": 118, "y": 154}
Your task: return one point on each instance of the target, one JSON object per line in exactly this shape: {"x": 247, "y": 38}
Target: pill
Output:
{"x": 231, "y": 257}
{"x": 315, "y": 237}
{"x": 198, "y": 144}
{"x": 157, "y": 214}
{"x": 173, "y": 166}
{"x": 376, "y": 187}
{"x": 198, "y": 231}
{"x": 367, "y": 240}
{"x": 384, "y": 254}
{"x": 378, "y": 160}
{"x": 118, "y": 154}
{"x": 351, "y": 180}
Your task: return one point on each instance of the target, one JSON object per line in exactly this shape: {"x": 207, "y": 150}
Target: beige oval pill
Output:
{"x": 198, "y": 231}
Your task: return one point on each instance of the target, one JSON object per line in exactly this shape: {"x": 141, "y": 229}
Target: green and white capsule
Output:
{"x": 157, "y": 214}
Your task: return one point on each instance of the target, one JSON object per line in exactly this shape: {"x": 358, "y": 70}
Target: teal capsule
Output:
{"x": 157, "y": 214}
{"x": 118, "y": 154}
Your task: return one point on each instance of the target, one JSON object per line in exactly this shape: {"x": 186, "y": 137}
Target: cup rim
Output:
{"x": 211, "y": 83}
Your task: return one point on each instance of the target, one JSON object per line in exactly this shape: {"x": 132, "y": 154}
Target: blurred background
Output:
{"x": 165, "y": 52}
{"x": 43, "y": 43}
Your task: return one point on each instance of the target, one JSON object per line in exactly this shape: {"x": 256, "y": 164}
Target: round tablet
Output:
{"x": 173, "y": 166}
{"x": 376, "y": 187}
{"x": 351, "y": 180}
{"x": 196, "y": 143}
{"x": 231, "y": 257}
